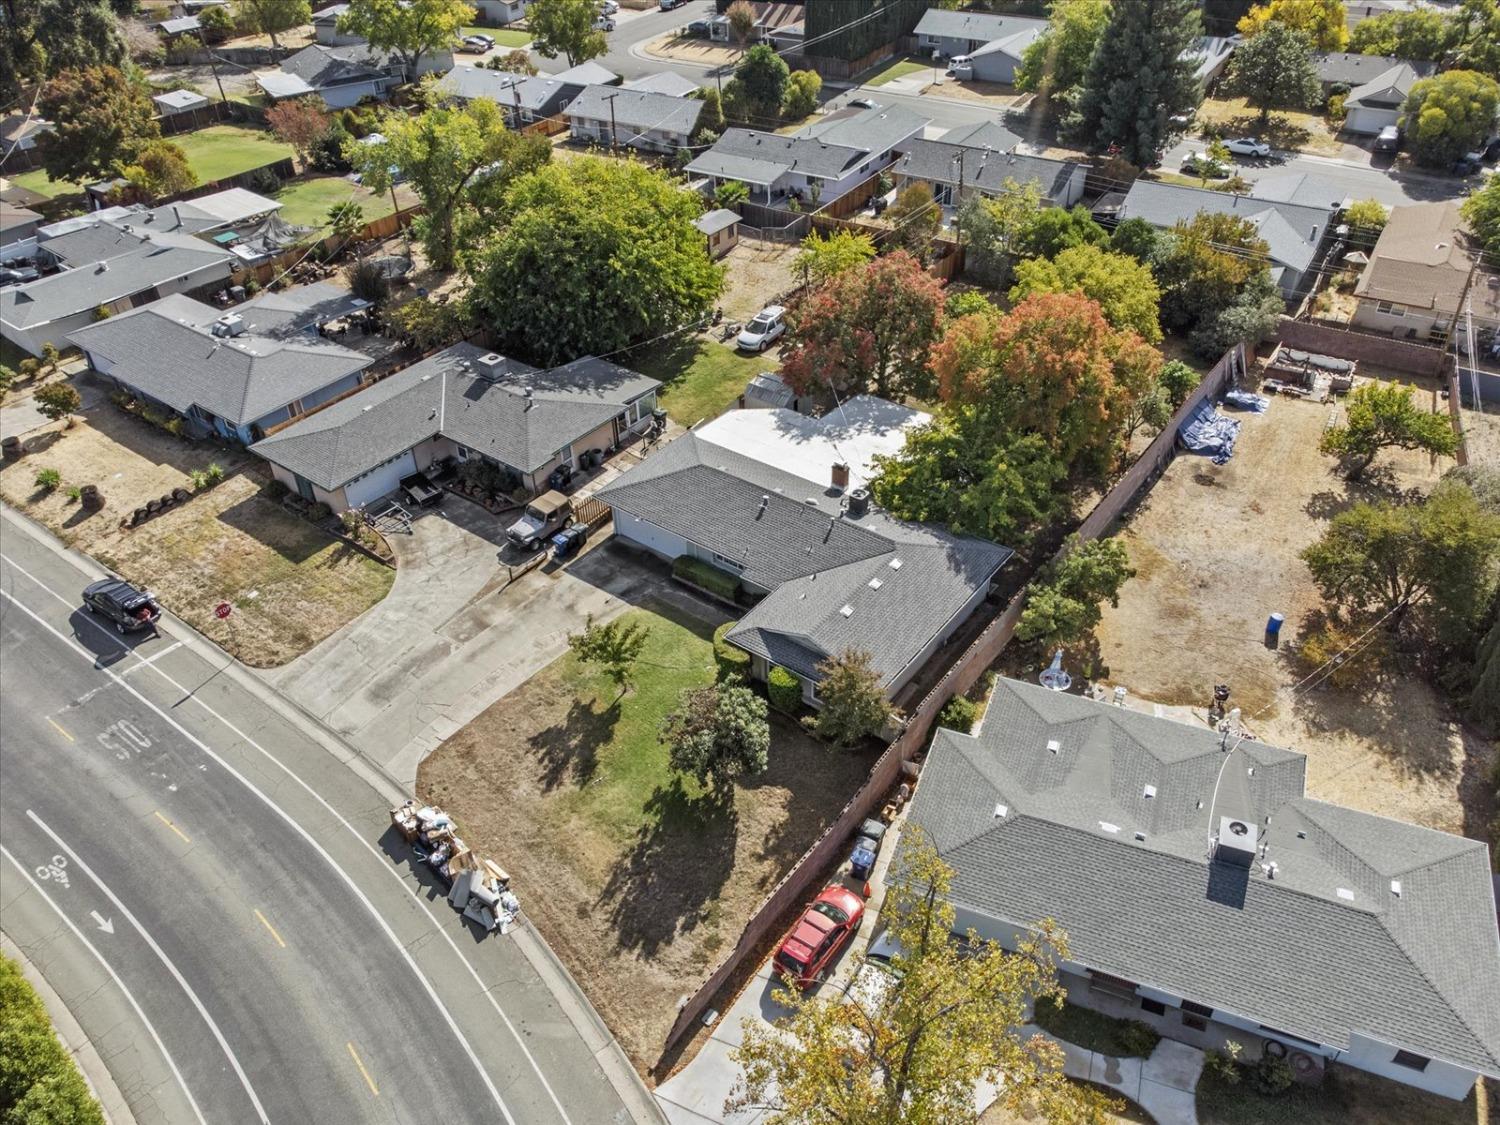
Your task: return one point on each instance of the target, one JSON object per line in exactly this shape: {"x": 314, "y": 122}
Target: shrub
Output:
{"x": 274, "y": 490}
{"x": 215, "y": 472}
{"x": 784, "y": 690}
{"x": 48, "y": 479}
{"x": 1137, "y": 1039}
{"x": 368, "y": 281}
{"x": 176, "y": 425}
{"x": 102, "y": 313}
{"x": 29, "y": 368}
{"x": 731, "y": 661}
{"x": 263, "y": 181}
{"x": 706, "y": 576}
{"x": 75, "y": 493}
{"x": 318, "y": 511}
{"x": 959, "y": 714}
{"x": 38, "y": 1079}
{"x": 1225, "y": 1065}
{"x": 57, "y": 400}
{"x": 1272, "y": 1075}
{"x": 198, "y": 479}
{"x": 729, "y": 193}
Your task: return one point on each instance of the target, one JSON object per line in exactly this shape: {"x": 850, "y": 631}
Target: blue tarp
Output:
{"x": 1210, "y": 433}
{"x": 1246, "y": 400}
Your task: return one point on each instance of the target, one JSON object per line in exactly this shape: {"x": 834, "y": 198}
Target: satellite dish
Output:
{"x": 1053, "y": 677}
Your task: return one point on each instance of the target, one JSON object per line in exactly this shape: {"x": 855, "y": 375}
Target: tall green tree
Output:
{"x": 101, "y": 122}
{"x": 1421, "y": 33}
{"x": 1477, "y": 38}
{"x": 161, "y": 169}
{"x": 916, "y": 219}
{"x": 1449, "y": 114}
{"x": 1274, "y": 70}
{"x": 1482, "y": 212}
{"x": 867, "y": 327}
{"x": 762, "y": 76}
{"x": 1051, "y": 230}
{"x": 40, "y": 39}
{"x": 1324, "y": 22}
{"x": 1056, "y": 60}
{"x": 992, "y": 227}
{"x": 1139, "y": 78}
{"x": 822, "y": 259}
{"x": 410, "y": 28}
{"x": 1434, "y": 560}
{"x": 440, "y": 152}
{"x": 614, "y": 647}
{"x": 1386, "y": 416}
{"x": 592, "y": 255}
{"x": 945, "y": 1019}
{"x": 1125, "y": 291}
{"x": 1205, "y": 264}
{"x": 854, "y": 703}
{"x": 272, "y": 17}
{"x": 1063, "y": 605}
{"x": 566, "y": 28}
{"x": 718, "y": 733}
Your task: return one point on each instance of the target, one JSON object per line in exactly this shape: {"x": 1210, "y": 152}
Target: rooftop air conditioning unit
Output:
{"x": 230, "y": 324}
{"x": 1236, "y": 841}
{"x": 491, "y": 363}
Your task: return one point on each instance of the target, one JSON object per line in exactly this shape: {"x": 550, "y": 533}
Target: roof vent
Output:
{"x": 1149, "y": 791}
{"x": 1396, "y": 887}
{"x": 764, "y": 500}
{"x": 1345, "y": 893}
{"x": 1000, "y": 811}
{"x": 101, "y": 267}
{"x": 1106, "y": 826}
{"x": 1236, "y": 841}
{"x": 1054, "y": 745}
{"x": 876, "y": 583}
{"x": 894, "y": 564}
{"x": 1140, "y": 836}
{"x": 847, "y": 611}
{"x": 811, "y": 501}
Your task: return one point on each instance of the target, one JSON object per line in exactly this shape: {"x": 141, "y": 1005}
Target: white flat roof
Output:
{"x": 855, "y": 434}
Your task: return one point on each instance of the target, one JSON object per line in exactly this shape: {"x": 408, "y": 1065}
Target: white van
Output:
{"x": 961, "y": 67}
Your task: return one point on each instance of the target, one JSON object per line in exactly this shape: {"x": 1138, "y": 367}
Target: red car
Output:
{"x": 818, "y": 935}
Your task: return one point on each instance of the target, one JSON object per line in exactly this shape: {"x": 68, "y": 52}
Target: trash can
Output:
{"x": 1273, "y": 626}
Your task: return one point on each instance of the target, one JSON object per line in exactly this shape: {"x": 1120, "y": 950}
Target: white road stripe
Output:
{"x": 484, "y": 989}
{"x": 160, "y": 1046}
{"x": 147, "y": 661}
{"x": 164, "y": 959}
{"x": 297, "y": 828}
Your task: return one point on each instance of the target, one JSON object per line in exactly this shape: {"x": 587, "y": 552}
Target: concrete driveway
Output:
{"x": 453, "y": 635}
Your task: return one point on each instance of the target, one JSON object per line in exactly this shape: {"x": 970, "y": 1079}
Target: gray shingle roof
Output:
{"x": 827, "y": 150}
{"x": 666, "y": 82}
{"x": 639, "y": 110}
{"x": 983, "y": 134}
{"x": 1356, "y": 70}
{"x": 973, "y": 25}
{"x": 540, "y": 95}
{"x": 1385, "y": 90}
{"x": 937, "y": 162}
{"x": 587, "y": 74}
{"x": 291, "y": 311}
{"x": 813, "y": 557}
{"x": 447, "y": 394}
{"x": 320, "y": 66}
{"x": 1299, "y": 187}
{"x": 872, "y": 130}
{"x": 1291, "y": 230}
{"x": 77, "y": 290}
{"x": 712, "y": 222}
{"x": 166, "y": 350}
{"x": 1419, "y": 969}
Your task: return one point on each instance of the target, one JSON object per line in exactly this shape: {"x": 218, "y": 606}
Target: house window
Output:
{"x": 1155, "y": 1007}
{"x": 1197, "y": 1009}
{"x": 728, "y": 563}
{"x": 1389, "y": 309}
{"x": 1411, "y": 1060}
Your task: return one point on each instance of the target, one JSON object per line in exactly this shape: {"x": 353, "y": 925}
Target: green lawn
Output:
{"x": 1087, "y": 1028}
{"x": 1346, "y": 1097}
{"x": 896, "y": 68}
{"x": 701, "y": 377}
{"x": 503, "y": 36}
{"x": 305, "y": 203}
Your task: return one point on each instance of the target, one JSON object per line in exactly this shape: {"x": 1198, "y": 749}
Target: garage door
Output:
{"x": 379, "y": 480}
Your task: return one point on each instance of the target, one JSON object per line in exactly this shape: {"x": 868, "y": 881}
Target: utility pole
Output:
{"x": 958, "y": 201}
{"x": 213, "y": 64}
{"x": 614, "y": 136}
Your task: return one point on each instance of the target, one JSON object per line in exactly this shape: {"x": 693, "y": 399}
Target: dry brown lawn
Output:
{"x": 290, "y": 583}
{"x": 637, "y": 878}
{"x": 1216, "y": 551}
{"x": 1286, "y": 129}
{"x": 757, "y": 271}
{"x": 993, "y": 94}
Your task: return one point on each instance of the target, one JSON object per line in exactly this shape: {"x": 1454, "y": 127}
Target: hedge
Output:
{"x": 784, "y": 690}
{"x": 959, "y": 714}
{"x": 732, "y": 661}
{"x": 38, "y": 1079}
{"x": 707, "y": 576}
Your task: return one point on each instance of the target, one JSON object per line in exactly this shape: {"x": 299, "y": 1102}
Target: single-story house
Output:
{"x": 1341, "y": 68}
{"x": 215, "y": 369}
{"x": 1418, "y": 278}
{"x": 462, "y": 402}
{"x": 523, "y": 99}
{"x": 344, "y": 76}
{"x": 179, "y": 25}
{"x": 770, "y": 16}
{"x": 951, "y": 33}
{"x": 777, "y": 499}
{"x": 326, "y": 31}
{"x": 1211, "y": 55}
{"x": 18, "y": 227}
{"x": 1294, "y": 232}
{"x": 589, "y": 73}
{"x": 100, "y": 235}
{"x": 179, "y": 101}
{"x": 19, "y": 131}
{"x": 998, "y": 60}
{"x": 1377, "y": 103}
{"x": 837, "y": 153}
{"x": 664, "y": 82}
{"x": 500, "y": 12}
{"x": 1306, "y": 188}
{"x": 721, "y": 227}
{"x": 985, "y": 134}
{"x": 956, "y": 171}
{"x": 1203, "y": 893}
{"x": 616, "y": 115}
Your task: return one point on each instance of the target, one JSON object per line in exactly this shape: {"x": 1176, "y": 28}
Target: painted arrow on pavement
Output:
{"x": 105, "y": 924}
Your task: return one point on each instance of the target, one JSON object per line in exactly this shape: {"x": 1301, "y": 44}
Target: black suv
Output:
{"x": 130, "y": 609}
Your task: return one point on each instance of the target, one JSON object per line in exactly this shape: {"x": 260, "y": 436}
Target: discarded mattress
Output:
{"x": 1247, "y": 400}
{"x": 1209, "y": 433}
{"x": 1313, "y": 359}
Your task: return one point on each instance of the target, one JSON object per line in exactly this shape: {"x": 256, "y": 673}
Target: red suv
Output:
{"x": 818, "y": 935}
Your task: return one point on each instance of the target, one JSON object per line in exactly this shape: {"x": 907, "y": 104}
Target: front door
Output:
{"x": 305, "y": 488}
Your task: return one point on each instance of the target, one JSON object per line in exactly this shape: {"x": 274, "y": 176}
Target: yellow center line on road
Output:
{"x": 58, "y": 728}
{"x": 172, "y": 826}
{"x": 353, "y": 1054}
{"x": 266, "y": 923}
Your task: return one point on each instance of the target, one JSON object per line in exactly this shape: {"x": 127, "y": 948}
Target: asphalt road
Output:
{"x": 220, "y": 902}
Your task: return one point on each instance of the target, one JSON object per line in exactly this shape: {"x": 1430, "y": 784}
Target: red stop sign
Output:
{"x": 223, "y": 610}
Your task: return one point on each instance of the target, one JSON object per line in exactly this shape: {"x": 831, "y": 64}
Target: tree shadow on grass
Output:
{"x": 670, "y": 879}
{"x": 1278, "y": 131}
{"x": 569, "y": 750}
{"x": 291, "y": 537}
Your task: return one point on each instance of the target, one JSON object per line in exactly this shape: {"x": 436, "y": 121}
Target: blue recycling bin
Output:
{"x": 1273, "y": 626}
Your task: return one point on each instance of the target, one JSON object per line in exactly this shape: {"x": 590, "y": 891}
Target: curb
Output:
{"x": 619, "y": 1072}
{"x": 101, "y": 1082}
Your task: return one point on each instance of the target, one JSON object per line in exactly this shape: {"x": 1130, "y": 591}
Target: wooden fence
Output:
{"x": 959, "y": 678}
{"x": 383, "y": 227}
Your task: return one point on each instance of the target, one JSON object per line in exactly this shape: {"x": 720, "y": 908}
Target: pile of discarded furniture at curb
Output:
{"x": 478, "y": 888}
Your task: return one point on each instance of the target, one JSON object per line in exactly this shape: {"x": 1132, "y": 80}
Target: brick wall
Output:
{"x": 1365, "y": 347}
